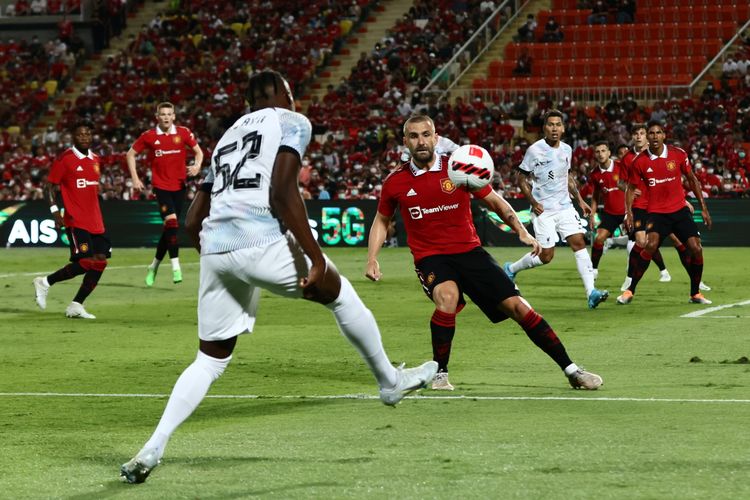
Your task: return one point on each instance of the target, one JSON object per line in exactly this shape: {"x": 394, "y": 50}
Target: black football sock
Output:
{"x": 443, "y": 327}
{"x": 70, "y": 271}
{"x": 640, "y": 260}
{"x": 684, "y": 257}
{"x": 161, "y": 248}
{"x": 658, "y": 260}
{"x": 170, "y": 235}
{"x": 90, "y": 280}
{"x": 696, "y": 273}
{"x": 545, "y": 338}
{"x": 597, "y": 249}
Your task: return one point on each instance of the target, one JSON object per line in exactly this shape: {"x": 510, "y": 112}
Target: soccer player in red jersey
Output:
{"x": 166, "y": 145}
{"x": 661, "y": 167}
{"x": 448, "y": 254}
{"x": 75, "y": 175}
{"x": 607, "y": 181}
{"x": 637, "y": 235}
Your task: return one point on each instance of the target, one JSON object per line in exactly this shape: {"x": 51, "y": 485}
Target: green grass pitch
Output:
{"x": 78, "y": 398}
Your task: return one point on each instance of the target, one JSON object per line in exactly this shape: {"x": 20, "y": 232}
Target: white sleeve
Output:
{"x": 296, "y": 131}
{"x": 445, "y": 146}
{"x": 527, "y": 165}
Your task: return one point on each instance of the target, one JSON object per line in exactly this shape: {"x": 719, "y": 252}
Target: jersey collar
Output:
{"x": 435, "y": 167}
{"x": 663, "y": 154}
{"x": 172, "y": 130}
{"x": 80, "y": 155}
{"x": 609, "y": 168}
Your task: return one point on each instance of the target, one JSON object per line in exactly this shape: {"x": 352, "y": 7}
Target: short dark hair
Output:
{"x": 636, "y": 127}
{"x": 655, "y": 123}
{"x": 601, "y": 143}
{"x": 620, "y": 146}
{"x": 552, "y": 113}
{"x": 263, "y": 85}
{"x": 82, "y": 123}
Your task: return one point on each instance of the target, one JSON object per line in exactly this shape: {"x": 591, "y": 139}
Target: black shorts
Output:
{"x": 170, "y": 202}
{"x": 477, "y": 275}
{"x": 640, "y": 218}
{"x": 680, "y": 223}
{"x": 84, "y": 245}
{"x": 610, "y": 222}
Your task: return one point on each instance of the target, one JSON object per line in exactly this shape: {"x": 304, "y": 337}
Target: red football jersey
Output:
{"x": 612, "y": 196}
{"x": 663, "y": 176}
{"x": 628, "y": 175}
{"x": 78, "y": 177}
{"x": 436, "y": 212}
{"x": 167, "y": 155}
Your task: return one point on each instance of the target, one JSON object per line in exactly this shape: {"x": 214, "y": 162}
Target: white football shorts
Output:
{"x": 230, "y": 285}
{"x": 554, "y": 226}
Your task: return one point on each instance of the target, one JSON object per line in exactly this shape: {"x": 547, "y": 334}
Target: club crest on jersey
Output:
{"x": 447, "y": 186}
{"x": 671, "y": 165}
{"x": 96, "y": 168}
{"x": 177, "y": 139}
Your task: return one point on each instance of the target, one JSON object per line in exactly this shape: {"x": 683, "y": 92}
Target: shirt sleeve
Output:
{"x": 140, "y": 143}
{"x": 56, "y": 172}
{"x": 189, "y": 138}
{"x": 527, "y": 162}
{"x": 387, "y": 203}
{"x": 445, "y": 146}
{"x": 296, "y": 132}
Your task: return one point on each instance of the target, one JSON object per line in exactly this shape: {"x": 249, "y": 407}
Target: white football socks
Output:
{"x": 188, "y": 392}
{"x": 358, "y": 325}
{"x": 175, "y": 263}
{"x": 585, "y": 269}
{"x": 526, "y": 262}
{"x": 154, "y": 264}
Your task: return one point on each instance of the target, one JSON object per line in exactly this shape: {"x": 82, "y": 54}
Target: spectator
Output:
{"x": 626, "y": 11}
{"x": 598, "y": 13}
{"x": 523, "y": 64}
{"x": 552, "y": 31}
{"x": 526, "y": 31}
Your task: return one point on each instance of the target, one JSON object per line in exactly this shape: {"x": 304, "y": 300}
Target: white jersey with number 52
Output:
{"x": 240, "y": 175}
{"x": 548, "y": 168}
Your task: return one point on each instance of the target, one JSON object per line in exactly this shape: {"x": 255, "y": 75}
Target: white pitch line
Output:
{"x": 109, "y": 268}
{"x": 366, "y": 396}
{"x": 701, "y": 312}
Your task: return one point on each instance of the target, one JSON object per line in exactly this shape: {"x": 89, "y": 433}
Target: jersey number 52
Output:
{"x": 250, "y": 149}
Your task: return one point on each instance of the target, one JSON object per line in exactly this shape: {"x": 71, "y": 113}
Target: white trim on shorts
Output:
{"x": 230, "y": 285}
{"x": 553, "y": 226}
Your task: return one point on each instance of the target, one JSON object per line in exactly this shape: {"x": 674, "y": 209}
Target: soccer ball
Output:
{"x": 471, "y": 166}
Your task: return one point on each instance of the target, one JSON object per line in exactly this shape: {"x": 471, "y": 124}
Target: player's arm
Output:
{"x": 576, "y": 195}
{"x": 501, "y": 207}
{"x": 54, "y": 198}
{"x": 594, "y": 203}
{"x": 288, "y": 205}
{"x": 695, "y": 186}
{"x": 198, "y": 211}
{"x": 130, "y": 160}
{"x": 525, "y": 186}
{"x": 378, "y": 234}
{"x": 195, "y": 168}
{"x": 630, "y": 195}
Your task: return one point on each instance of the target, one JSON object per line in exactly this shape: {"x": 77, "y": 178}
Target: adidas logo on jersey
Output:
{"x": 157, "y": 141}
{"x": 649, "y": 169}
{"x": 79, "y": 168}
{"x": 411, "y": 192}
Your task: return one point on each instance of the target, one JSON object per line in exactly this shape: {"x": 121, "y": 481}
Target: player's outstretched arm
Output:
{"x": 287, "y": 204}
{"x": 378, "y": 233}
{"x": 198, "y": 211}
{"x": 501, "y": 207}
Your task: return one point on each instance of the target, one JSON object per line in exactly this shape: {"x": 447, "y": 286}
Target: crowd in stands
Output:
{"x": 192, "y": 58}
{"x": 42, "y": 7}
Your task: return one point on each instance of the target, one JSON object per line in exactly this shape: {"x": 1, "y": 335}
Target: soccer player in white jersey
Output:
{"x": 547, "y": 165}
{"x": 249, "y": 195}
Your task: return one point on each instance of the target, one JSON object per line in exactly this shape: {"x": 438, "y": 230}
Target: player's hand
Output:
{"x": 537, "y": 207}
{"x": 529, "y": 240}
{"x": 637, "y": 192}
{"x": 690, "y": 207}
{"x": 629, "y": 221}
{"x": 137, "y": 184}
{"x": 592, "y": 220}
{"x": 707, "y": 218}
{"x": 373, "y": 270}
{"x": 585, "y": 208}
{"x": 58, "y": 221}
{"x": 193, "y": 170}
{"x": 314, "y": 277}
